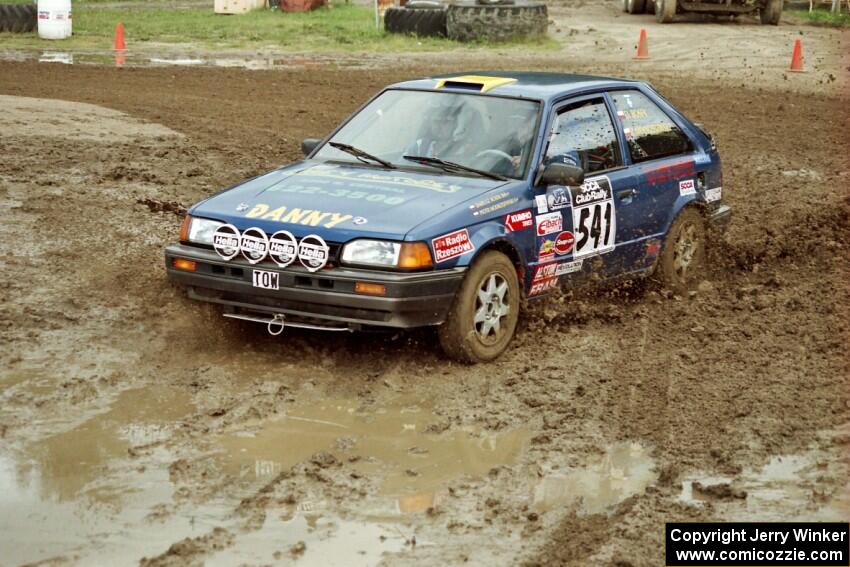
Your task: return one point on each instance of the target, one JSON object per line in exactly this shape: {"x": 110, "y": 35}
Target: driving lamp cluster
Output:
{"x": 311, "y": 251}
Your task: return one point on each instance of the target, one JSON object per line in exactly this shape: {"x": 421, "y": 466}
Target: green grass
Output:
{"x": 823, "y": 17}
{"x": 331, "y": 29}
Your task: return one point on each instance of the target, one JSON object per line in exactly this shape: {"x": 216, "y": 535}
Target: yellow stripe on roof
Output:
{"x": 486, "y": 83}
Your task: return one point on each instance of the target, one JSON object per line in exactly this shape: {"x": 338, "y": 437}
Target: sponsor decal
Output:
{"x": 712, "y": 195}
{"x": 305, "y": 217}
{"x": 360, "y": 220}
{"x": 349, "y": 192}
{"x": 653, "y": 247}
{"x": 568, "y": 267}
{"x": 546, "y": 251}
{"x": 332, "y": 172}
{"x": 633, "y": 114}
{"x": 542, "y": 205}
{"x": 670, "y": 173}
{"x": 555, "y": 269}
{"x": 451, "y": 245}
{"x": 493, "y": 204}
{"x": 594, "y": 218}
{"x": 687, "y": 187}
{"x": 283, "y": 248}
{"x": 549, "y": 223}
{"x": 44, "y": 15}
{"x": 254, "y": 245}
{"x": 559, "y": 198}
{"x": 242, "y": 207}
{"x": 313, "y": 253}
{"x": 544, "y": 285}
{"x": 519, "y": 221}
{"x": 564, "y": 243}
{"x": 226, "y": 239}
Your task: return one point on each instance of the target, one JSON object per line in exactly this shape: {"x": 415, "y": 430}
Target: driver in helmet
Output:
{"x": 442, "y": 132}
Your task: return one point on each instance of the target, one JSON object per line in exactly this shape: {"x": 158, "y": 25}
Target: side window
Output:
{"x": 585, "y": 131}
{"x": 650, "y": 133}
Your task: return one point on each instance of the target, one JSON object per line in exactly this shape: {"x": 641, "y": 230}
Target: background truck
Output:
{"x": 665, "y": 10}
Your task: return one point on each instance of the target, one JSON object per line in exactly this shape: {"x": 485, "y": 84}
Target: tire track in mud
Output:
{"x": 753, "y": 366}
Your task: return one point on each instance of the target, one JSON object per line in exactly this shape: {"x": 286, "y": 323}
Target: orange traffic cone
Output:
{"x": 643, "y": 48}
{"x": 797, "y": 58}
{"x": 119, "y": 38}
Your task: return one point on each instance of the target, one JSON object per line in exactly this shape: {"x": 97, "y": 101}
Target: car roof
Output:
{"x": 544, "y": 86}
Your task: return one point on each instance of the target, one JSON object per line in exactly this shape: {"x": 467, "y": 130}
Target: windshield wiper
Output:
{"x": 451, "y": 166}
{"x": 360, "y": 154}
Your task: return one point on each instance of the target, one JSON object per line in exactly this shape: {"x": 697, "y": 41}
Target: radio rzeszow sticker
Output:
{"x": 594, "y": 219}
{"x": 452, "y": 245}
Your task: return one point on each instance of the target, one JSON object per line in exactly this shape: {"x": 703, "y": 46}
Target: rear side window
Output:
{"x": 650, "y": 133}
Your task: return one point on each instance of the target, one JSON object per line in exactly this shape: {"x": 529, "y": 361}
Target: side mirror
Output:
{"x": 309, "y": 144}
{"x": 559, "y": 173}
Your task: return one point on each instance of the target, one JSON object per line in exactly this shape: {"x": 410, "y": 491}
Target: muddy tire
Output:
{"x": 18, "y": 18}
{"x": 683, "y": 257}
{"x": 470, "y": 22}
{"x": 665, "y": 11}
{"x": 635, "y": 6}
{"x": 485, "y": 311}
{"x": 419, "y": 21}
{"x": 771, "y": 12}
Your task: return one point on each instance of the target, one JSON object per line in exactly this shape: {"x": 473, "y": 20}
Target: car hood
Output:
{"x": 341, "y": 201}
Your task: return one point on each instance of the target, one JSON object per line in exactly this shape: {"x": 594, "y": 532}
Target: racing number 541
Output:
{"x": 600, "y": 224}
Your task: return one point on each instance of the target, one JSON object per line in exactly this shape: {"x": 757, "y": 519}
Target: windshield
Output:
{"x": 486, "y": 133}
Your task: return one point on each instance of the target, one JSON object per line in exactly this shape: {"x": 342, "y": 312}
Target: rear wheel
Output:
{"x": 635, "y": 6}
{"x": 665, "y": 11}
{"x": 484, "y": 315}
{"x": 771, "y": 12}
{"x": 683, "y": 257}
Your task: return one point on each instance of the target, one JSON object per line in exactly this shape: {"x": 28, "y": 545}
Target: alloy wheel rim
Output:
{"x": 685, "y": 250}
{"x": 492, "y": 305}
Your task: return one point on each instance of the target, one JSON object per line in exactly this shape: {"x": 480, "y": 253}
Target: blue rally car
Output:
{"x": 448, "y": 201}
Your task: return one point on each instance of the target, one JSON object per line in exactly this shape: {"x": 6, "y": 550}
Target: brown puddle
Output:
{"x": 390, "y": 441}
{"x": 625, "y": 470}
{"x": 60, "y": 495}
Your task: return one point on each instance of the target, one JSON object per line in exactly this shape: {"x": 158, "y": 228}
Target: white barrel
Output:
{"x": 54, "y": 19}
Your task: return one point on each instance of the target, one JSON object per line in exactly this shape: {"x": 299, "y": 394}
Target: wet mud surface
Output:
{"x": 140, "y": 428}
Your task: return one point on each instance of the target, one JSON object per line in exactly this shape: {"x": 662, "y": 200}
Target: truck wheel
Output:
{"x": 650, "y": 6}
{"x": 421, "y": 20}
{"x": 665, "y": 11}
{"x": 485, "y": 311}
{"x": 682, "y": 260}
{"x": 771, "y": 12}
{"x": 636, "y": 6}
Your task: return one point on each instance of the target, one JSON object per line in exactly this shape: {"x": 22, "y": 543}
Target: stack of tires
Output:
{"x": 498, "y": 20}
{"x": 417, "y": 17}
{"x": 18, "y": 18}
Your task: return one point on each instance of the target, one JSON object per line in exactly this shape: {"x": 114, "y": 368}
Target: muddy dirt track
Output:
{"x": 139, "y": 427}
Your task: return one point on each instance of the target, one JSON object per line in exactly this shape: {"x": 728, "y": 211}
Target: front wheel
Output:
{"x": 771, "y": 12}
{"x": 484, "y": 315}
{"x": 683, "y": 257}
{"x": 665, "y": 11}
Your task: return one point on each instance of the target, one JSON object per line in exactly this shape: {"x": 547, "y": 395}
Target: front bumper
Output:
{"x": 411, "y": 300}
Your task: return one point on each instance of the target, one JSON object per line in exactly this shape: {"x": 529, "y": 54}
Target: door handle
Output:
{"x": 627, "y": 193}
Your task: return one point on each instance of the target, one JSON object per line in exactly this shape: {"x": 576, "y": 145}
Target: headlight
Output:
{"x": 199, "y": 231}
{"x": 405, "y": 255}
